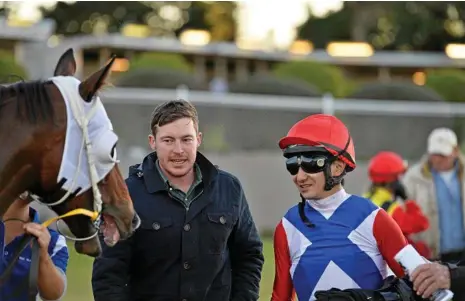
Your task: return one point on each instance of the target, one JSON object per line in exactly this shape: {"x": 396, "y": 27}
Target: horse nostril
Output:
{"x": 136, "y": 222}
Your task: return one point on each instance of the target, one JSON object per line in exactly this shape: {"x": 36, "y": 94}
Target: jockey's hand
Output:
{"x": 429, "y": 277}
{"x": 42, "y": 234}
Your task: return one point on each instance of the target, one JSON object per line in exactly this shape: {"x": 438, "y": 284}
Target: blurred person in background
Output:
{"x": 219, "y": 85}
{"x": 437, "y": 184}
{"x": 21, "y": 219}
{"x": 385, "y": 170}
{"x": 197, "y": 239}
{"x": 331, "y": 239}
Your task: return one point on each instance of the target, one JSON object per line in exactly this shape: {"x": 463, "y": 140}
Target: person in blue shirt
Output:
{"x": 436, "y": 183}
{"x": 19, "y": 219}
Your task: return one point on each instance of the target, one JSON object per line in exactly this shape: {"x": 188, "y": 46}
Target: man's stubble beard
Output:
{"x": 180, "y": 176}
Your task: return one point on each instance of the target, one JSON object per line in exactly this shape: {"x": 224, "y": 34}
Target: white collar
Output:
{"x": 330, "y": 203}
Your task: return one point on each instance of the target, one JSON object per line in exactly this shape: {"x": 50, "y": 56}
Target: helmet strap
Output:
{"x": 331, "y": 180}
{"x": 302, "y": 215}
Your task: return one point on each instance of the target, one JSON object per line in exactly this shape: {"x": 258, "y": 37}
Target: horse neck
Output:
{"x": 17, "y": 156}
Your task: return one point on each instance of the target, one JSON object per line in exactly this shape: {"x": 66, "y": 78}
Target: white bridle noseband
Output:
{"x": 89, "y": 129}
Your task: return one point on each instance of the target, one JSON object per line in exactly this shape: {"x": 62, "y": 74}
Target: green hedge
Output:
{"x": 324, "y": 77}
{"x": 159, "y": 78}
{"x": 152, "y": 60}
{"x": 266, "y": 84}
{"x": 295, "y": 78}
{"x": 450, "y": 84}
{"x": 10, "y": 70}
{"x": 159, "y": 70}
{"x": 395, "y": 91}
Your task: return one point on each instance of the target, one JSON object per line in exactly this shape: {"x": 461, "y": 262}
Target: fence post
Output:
{"x": 327, "y": 104}
{"x": 182, "y": 92}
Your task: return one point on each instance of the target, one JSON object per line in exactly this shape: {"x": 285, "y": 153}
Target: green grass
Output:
{"x": 80, "y": 273}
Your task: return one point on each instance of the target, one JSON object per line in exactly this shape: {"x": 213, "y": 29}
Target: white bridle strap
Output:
{"x": 83, "y": 122}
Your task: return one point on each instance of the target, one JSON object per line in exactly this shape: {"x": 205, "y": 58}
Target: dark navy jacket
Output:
{"x": 209, "y": 252}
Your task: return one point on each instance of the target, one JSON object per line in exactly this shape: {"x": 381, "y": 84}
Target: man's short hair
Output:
{"x": 171, "y": 111}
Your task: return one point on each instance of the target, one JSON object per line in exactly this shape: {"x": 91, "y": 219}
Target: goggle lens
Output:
{"x": 309, "y": 165}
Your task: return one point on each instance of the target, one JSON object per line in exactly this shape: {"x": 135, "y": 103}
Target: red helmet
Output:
{"x": 325, "y": 131}
{"x": 386, "y": 167}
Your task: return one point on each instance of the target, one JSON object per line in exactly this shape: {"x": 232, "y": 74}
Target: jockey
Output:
{"x": 384, "y": 171}
{"x": 19, "y": 219}
{"x": 330, "y": 239}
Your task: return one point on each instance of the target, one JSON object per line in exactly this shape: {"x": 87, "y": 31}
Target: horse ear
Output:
{"x": 66, "y": 65}
{"x": 95, "y": 81}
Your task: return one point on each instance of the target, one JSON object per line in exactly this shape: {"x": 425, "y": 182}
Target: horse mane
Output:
{"x": 32, "y": 99}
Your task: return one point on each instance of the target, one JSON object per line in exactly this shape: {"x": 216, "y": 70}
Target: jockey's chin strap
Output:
{"x": 29, "y": 239}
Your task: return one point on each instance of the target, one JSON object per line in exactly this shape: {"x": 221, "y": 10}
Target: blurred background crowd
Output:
{"x": 392, "y": 71}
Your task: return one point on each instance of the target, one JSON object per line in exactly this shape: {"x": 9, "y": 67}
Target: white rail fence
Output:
{"x": 327, "y": 104}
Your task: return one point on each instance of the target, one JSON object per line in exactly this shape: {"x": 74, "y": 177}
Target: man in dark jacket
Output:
{"x": 197, "y": 240}
{"x": 430, "y": 277}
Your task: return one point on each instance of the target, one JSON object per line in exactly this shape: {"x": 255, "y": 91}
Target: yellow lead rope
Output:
{"x": 92, "y": 214}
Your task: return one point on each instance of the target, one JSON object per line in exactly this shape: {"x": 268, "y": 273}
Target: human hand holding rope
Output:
{"x": 42, "y": 234}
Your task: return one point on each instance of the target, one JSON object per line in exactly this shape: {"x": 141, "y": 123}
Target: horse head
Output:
{"x": 67, "y": 159}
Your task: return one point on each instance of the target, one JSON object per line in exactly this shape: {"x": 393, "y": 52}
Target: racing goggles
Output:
{"x": 311, "y": 165}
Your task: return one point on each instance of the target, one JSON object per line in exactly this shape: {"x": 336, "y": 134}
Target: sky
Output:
{"x": 257, "y": 18}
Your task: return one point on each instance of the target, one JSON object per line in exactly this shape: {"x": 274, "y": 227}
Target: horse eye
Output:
{"x": 113, "y": 153}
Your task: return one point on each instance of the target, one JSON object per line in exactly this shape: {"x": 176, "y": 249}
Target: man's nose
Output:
{"x": 178, "y": 147}
{"x": 301, "y": 175}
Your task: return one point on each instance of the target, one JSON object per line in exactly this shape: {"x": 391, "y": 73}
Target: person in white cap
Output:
{"x": 437, "y": 183}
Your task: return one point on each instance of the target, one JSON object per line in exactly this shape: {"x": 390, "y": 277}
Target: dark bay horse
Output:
{"x": 57, "y": 143}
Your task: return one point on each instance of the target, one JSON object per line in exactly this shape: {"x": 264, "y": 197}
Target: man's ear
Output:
{"x": 199, "y": 138}
{"x": 152, "y": 142}
{"x": 338, "y": 167}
